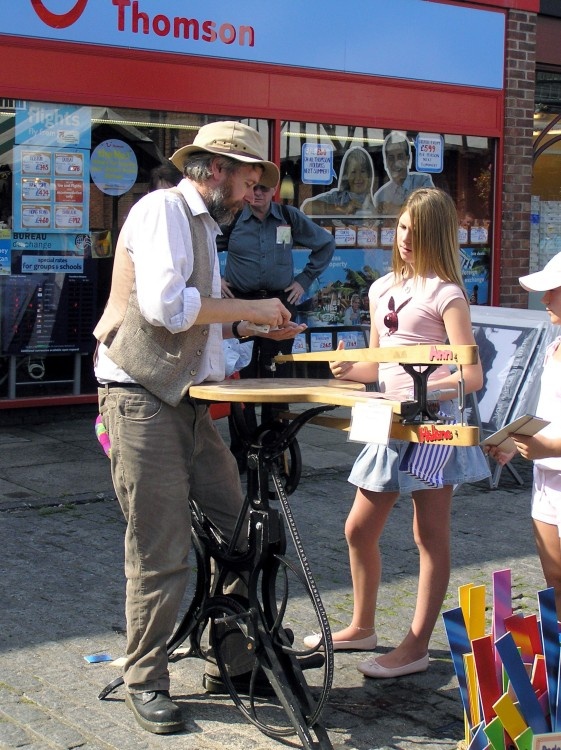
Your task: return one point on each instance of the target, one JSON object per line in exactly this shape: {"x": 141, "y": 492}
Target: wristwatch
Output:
{"x": 236, "y": 333}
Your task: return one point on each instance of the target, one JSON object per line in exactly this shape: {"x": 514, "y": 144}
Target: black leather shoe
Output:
{"x": 155, "y": 711}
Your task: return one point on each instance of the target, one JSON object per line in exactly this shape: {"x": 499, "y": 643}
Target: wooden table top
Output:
{"x": 284, "y": 390}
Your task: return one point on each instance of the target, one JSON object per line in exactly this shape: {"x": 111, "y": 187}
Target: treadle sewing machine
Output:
{"x": 299, "y": 679}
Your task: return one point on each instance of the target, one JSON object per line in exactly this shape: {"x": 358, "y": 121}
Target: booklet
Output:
{"x": 528, "y": 424}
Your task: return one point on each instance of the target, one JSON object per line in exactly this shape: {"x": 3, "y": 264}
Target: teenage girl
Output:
{"x": 422, "y": 300}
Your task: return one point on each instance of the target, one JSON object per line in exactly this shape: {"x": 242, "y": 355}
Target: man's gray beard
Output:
{"x": 215, "y": 202}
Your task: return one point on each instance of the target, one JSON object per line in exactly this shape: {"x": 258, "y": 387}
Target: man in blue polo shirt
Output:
{"x": 260, "y": 265}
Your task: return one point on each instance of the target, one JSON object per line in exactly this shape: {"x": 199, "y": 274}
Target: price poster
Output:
{"x": 429, "y": 152}
{"x": 321, "y": 341}
{"x": 317, "y": 164}
{"x": 5, "y": 259}
{"x": 352, "y": 339}
{"x": 51, "y": 189}
{"x": 51, "y": 171}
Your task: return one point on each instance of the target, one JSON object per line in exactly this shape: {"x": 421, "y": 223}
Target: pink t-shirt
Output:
{"x": 409, "y": 312}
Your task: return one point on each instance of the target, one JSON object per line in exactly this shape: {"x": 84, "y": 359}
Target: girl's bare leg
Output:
{"x": 363, "y": 530}
{"x": 431, "y": 531}
{"x": 549, "y": 550}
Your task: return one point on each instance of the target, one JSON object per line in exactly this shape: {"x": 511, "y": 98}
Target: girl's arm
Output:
{"x": 360, "y": 372}
{"x": 537, "y": 446}
{"x": 530, "y": 447}
{"x": 457, "y": 322}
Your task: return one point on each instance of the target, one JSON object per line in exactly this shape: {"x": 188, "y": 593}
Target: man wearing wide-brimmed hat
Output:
{"x": 160, "y": 333}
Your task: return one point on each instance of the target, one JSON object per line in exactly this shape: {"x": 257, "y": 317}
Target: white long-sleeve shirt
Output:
{"x": 157, "y": 236}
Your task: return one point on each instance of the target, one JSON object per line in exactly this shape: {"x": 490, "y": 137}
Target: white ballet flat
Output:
{"x": 371, "y": 668}
{"x": 361, "y": 644}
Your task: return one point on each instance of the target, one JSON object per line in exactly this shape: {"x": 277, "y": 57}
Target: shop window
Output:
{"x": 68, "y": 178}
{"x": 548, "y": 91}
{"x": 545, "y": 228}
{"x": 353, "y": 180}
{"x": 55, "y": 273}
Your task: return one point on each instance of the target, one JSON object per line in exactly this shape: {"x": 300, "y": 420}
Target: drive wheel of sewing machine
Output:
{"x": 296, "y": 683}
{"x": 288, "y": 687}
{"x": 284, "y": 606}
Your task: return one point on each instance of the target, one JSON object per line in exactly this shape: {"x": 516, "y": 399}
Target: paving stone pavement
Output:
{"x": 62, "y": 598}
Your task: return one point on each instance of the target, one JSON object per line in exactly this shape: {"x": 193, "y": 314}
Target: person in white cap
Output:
{"x": 544, "y": 448}
{"x": 161, "y": 332}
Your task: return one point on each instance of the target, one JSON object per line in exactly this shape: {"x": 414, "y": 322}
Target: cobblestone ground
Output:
{"x": 63, "y": 595}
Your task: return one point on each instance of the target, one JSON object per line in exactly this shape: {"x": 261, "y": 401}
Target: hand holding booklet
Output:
{"x": 525, "y": 425}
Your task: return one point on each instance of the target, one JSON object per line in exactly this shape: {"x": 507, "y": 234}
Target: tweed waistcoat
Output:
{"x": 165, "y": 363}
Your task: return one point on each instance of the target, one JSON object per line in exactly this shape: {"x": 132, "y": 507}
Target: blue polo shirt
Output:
{"x": 260, "y": 252}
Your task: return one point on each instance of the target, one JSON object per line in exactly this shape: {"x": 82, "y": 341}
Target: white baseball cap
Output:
{"x": 542, "y": 281}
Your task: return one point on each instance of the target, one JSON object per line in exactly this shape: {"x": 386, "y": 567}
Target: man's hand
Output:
{"x": 226, "y": 291}
{"x": 295, "y": 292}
{"x": 269, "y": 311}
{"x": 289, "y": 331}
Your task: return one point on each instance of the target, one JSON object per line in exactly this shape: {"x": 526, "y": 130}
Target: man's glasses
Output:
{"x": 261, "y": 188}
{"x": 391, "y": 320}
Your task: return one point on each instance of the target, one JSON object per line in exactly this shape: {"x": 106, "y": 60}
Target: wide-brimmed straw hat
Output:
{"x": 233, "y": 139}
{"x": 542, "y": 281}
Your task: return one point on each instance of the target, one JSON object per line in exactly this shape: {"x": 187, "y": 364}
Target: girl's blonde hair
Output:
{"x": 434, "y": 229}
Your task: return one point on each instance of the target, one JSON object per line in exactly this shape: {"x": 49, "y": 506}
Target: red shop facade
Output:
{"x": 91, "y": 100}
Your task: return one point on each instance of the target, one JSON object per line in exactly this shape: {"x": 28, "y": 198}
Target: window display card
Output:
{"x": 367, "y": 237}
{"x": 321, "y": 341}
{"x": 387, "y": 235}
